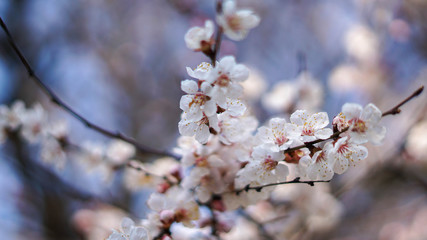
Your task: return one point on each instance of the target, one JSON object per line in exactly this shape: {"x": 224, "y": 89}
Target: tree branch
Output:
{"x": 259, "y": 188}
{"x": 59, "y": 102}
{"x": 213, "y": 53}
{"x": 311, "y": 143}
{"x": 396, "y": 109}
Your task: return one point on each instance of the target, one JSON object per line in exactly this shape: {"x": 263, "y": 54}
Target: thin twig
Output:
{"x": 218, "y": 34}
{"x": 214, "y": 223}
{"x": 147, "y": 173}
{"x": 66, "y": 144}
{"x": 259, "y": 188}
{"x": 55, "y": 99}
{"x": 213, "y": 53}
{"x": 311, "y": 143}
{"x": 217, "y": 46}
{"x": 396, "y": 109}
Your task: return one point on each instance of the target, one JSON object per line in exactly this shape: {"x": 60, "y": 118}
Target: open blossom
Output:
{"x": 279, "y": 135}
{"x": 210, "y": 168}
{"x": 92, "y": 155}
{"x": 201, "y": 72}
{"x": 198, "y": 128}
{"x": 130, "y": 232}
{"x": 313, "y": 126}
{"x": 322, "y": 165}
{"x": 58, "y": 130}
{"x": 263, "y": 169}
{"x": 119, "y": 151}
{"x": 190, "y": 149}
{"x": 176, "y": 205}
{"x": 363, "y": 123}
{"x": 236, "y": 129}
{"x": 416, "y": 143}
{"x": 52, "y": 152}
{"x": 196, "y": 103}
{"x": 11, "y": 117}
{"x": 202, "y": 166}
{"x": 200, "y": 38}
{"x": 236, "y": 23}
{"x": 33, "y": 123}
{"x": 235, "y": 107}
{"x": 210, "y": 175}
{"x": 316, "y": 209}
{"x": 304, "y": 92}
{"x": 143, "y": 175}
{"x": 347, "y": 153}
{"x": 225, "y": 78}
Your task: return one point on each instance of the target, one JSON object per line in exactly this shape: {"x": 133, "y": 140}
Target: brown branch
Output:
{"x": 55, "y": 99}
{"x": 396, "y": 109}
{"x": 214, "y": 223}
{"x": 311, "y": 143}
{"x": 213, "y": 53}
{"x": 259, "y": 188}
{"x": 147, "y": 173}
{"x": 218, "y": 34}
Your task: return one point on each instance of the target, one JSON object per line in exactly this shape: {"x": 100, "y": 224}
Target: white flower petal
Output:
{"x": 235, "y": 107}
{"x": 319, "y": 120}
{"x": 202, "y": 133}
{"x": 185, "y": 102}
{"x": 299, "y": 117}
{"x": 293, "y": 131}
{"x": 377, "y": 134}
{"x": 239, "y": 73}
{"x": 139, "y": 233}
{"x": 371, "y": 113}
{"x": 116, "y": 236}
{"x": 227, "y": 63}
{"x": 277, "y": 124}
{"x": 228, "y": 7}
{"x": 323, "y": 133}
{"x": 282, "y": 172}
{"x": 210, "y": 108}
{"x": 189, "y": 86}
{"x": 156, "y": 202}
{"x": 206, "y": 88}
{"x": 187, "y": 128}
{"x": 351, "y": 110}
{"x": 341, "y": 164}
{"x": 235, "y": 90}
{"x": 250, "y": 19}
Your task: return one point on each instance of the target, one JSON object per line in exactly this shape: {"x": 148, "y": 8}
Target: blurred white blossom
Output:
{"x": 200, "y": 38}
{"x": 236, "y": 23}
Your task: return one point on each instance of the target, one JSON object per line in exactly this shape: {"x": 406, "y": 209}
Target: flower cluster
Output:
{"x": 226, "y": 160}
{"x": 33, "y": 126}
{"x": 217, "y": 90}
{"x": 223, "y": 153}
{"x": 130, "y": 232}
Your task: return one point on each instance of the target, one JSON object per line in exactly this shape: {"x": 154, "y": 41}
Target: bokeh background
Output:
{"x": 120, "y": 63}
